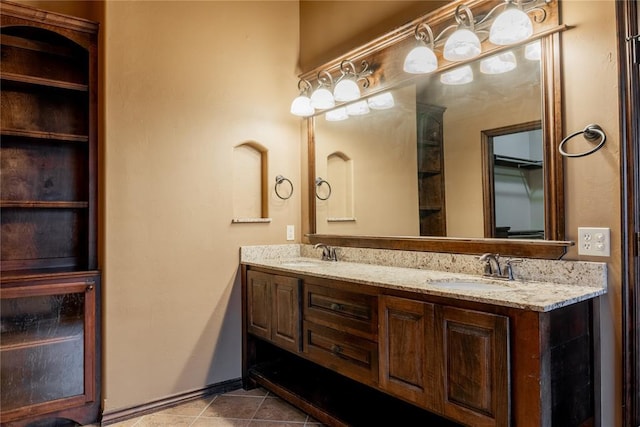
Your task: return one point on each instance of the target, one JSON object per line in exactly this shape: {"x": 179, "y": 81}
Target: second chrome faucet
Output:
{"x": 493, "y": 269}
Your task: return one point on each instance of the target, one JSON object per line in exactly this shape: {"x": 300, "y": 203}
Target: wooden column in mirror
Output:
{"x": 385, "y": 56}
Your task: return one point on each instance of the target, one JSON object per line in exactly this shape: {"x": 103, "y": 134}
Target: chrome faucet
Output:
{"x": 489, "y": 269}
{"x": 492, "y": 266}
{"x": 328, "y": 253}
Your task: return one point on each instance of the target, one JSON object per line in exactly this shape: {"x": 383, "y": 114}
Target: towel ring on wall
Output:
{"x": 279, "y": 180}
{"x": 319, "y": 182}
{"x": 591, "y": 133}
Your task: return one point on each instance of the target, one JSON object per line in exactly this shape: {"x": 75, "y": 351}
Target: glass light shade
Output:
{"x": 499, "y": 64}
{"x": 358, "y": 109}
{"x": 336, "y": 115}
{"x": 322, "y": 98}
{"x": 459, "y": 76}
{"x": 461, "y": 45}
{"x": 511, "y": 26}
{"x": 533, "y": 51}
{"x": 301, "y": 106}
{"x": 346, "y": 90}
{"x": 420, "y": 60}
{"x": 381, "y": 102}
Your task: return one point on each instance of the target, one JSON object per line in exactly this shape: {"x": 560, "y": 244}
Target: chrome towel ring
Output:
{"x": 279, "y": 180}
{"x": 319, "y": 182}
{"x": 591, "y": 133}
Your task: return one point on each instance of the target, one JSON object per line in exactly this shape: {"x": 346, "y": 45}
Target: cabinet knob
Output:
{"x": 336, "y": 349}
{"x": 336, "y": 306}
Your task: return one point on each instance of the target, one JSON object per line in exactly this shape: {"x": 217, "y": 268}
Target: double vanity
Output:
{"x": 384, "y": 336}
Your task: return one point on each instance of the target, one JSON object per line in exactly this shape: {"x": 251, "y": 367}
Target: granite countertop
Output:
{"x": 523, "y": 294}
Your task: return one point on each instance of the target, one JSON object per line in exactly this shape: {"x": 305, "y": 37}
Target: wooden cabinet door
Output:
{"x": 407, "y": 354}
{"x": 48, "y": 347}
{"x": 474, "y": 361}
{"x": 259, "y": 304}
{"x": 286, "y": 325}
{"x": 273, "y": 309}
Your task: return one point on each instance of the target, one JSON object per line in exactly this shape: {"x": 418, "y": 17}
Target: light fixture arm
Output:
{"x": 325, "y": 79}
{"x": 424, "y": 33}
{"x": 347, "y": 68}
{"x": 462, "y": 20}
{"x": 304, "y": 86}
{"x": 539, "y": 14}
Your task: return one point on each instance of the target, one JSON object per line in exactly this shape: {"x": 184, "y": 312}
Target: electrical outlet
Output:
{"x": 594, "y": 241}
{"x": 290, "y": 232}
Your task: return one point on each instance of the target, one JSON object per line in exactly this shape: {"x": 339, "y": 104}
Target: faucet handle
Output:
{"x": 486, "y": 258}
{"x": 328, "y": 253}
{"x": 509, "y": 267}
{"x": 332, "y": 255}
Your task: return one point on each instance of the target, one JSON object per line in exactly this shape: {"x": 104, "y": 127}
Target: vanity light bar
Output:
{"x": 345, "y": 88}
{"x": 509, "y": 22}
{"x": 512, "y": 25}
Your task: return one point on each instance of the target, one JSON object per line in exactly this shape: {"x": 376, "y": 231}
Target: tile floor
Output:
{"x": 240, "y": 408}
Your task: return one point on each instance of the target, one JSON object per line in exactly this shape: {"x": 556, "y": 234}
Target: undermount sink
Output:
{"x": 470, "y": 286}
{"x": 300, "y": 264}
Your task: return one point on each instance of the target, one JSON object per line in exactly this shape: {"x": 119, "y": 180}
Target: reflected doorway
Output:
{"x": 513, "y": 181}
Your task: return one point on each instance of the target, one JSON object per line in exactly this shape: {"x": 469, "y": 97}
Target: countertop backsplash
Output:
{"x": 581, "y": 273}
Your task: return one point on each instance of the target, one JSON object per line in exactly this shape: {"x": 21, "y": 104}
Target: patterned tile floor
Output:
{"x": 240, "y": 408}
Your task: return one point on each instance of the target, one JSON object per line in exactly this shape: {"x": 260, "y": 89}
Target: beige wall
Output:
{"x": 333, "y": 27}
{"x": 592, "y": 183}
{"x": 590, "y": 87}
{"x": 185, "y": 83}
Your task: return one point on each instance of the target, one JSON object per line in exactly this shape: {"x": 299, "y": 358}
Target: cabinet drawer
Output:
{"x": 349, "y": 355}
{"x": 351, "y": 312}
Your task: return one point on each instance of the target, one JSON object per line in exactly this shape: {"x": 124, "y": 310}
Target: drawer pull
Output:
{"x": 336, "y": 349}
{"x": 336, "y": 307}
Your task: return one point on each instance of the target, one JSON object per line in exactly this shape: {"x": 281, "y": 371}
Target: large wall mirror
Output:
{"x": 465, "y": 165}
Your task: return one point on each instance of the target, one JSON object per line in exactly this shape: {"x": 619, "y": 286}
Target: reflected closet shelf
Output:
{"x": 43, "y": 204}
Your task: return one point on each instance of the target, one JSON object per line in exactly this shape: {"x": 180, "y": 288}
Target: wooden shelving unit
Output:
{"x": 49, "y": 291}
{"x": 431, "y": 170}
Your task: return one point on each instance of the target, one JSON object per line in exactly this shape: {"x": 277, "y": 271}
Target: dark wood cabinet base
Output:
{"x": 330, "y": 397}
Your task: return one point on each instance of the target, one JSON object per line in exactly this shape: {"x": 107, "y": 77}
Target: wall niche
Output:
{"x": 250, "y": 170}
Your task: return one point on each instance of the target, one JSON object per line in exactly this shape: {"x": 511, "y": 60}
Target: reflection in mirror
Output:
{"x": 416, "y": 168}
{"x": 513, "y": 181}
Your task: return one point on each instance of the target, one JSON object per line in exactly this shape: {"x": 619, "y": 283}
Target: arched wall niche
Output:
{"x": 250, "y": 171}
{"x": 340, "y": 174}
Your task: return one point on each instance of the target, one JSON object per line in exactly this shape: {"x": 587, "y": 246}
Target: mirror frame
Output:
{"x": 385, "y": 56}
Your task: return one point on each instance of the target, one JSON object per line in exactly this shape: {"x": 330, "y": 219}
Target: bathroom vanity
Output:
{"x": 353, "y": 342}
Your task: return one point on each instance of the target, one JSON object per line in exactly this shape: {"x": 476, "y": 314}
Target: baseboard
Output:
{"x": 167, "y": 402}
